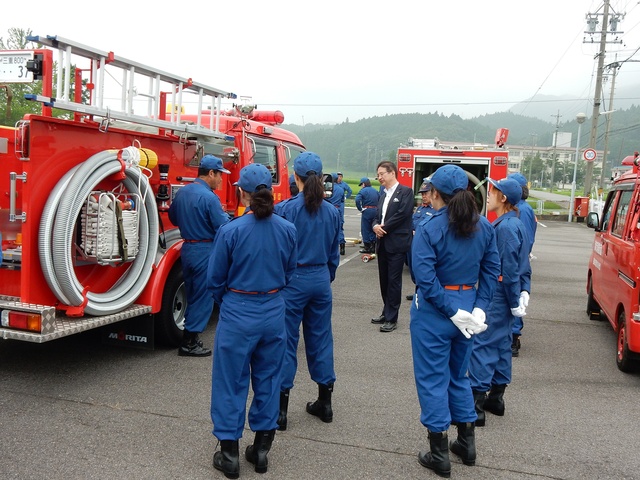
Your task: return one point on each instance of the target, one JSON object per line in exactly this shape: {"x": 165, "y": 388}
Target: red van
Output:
{"x": 613, "y": 278}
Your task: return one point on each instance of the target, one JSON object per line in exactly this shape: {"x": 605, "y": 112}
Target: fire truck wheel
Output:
{"x": 169, "y": 321}
{"x": 624, "y": 358}
{"x": 593, "y": 308}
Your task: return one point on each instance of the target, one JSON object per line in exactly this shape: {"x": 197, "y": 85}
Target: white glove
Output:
{"x": 477, "y": 329}
{"x": 519, "y": 311}
{"x": 465, "y": 322}
{"x": 524, "y": 299}
{"x": 479, "y": 315}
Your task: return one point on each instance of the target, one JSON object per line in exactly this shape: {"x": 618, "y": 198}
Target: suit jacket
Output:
{"x": 398, "y": 220}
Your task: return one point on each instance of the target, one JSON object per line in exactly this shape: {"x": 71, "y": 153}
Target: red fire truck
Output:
{"x": 421, "y": 157}
{"x": 86, "y": 238}
{"x": 613, "y": 276}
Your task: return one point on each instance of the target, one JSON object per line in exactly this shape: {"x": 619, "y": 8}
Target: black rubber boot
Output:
{"x": 515, "y": 346}
{"x": 192, "y": 346}
{"x": 465, "y": 445}
{"x": 321, "y": 408}
{"x": 438, "y": 458}
{"x": 342, "y": 252}
{"x": 284, "y": 406}
{"x": 365, "y": 248}
{"x": 257, "y": 453}
{"x": 227, "y": 460}
{"x": 495, "y": 401}
{"x": 478, "y": 399}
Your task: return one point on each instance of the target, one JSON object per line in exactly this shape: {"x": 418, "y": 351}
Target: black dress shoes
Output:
{"x": 388, "y": 327}
{"x": 409, "y": 297}
{"x": 378, "y": 320}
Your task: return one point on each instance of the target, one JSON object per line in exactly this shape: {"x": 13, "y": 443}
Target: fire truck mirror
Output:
{"x": 327, "y": 181}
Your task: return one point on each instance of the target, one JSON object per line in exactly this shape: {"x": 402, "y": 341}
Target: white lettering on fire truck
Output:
{"x": 597, "y": 247}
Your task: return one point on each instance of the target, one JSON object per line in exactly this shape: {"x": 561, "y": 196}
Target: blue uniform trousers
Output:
{"x": 518, "y": 325}
{"x": 491, "y": 359}
{"x": 309, "y": 301}
{"x": 195, "y": 262}
{"x": 250, "y": 343}
{"x": 341, "y": 238}
{"x": 440, "y": 360}
{"x": 366, "y": 222}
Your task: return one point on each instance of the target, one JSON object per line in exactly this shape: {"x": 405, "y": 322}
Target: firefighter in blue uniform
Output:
{"x": 345, "y": 186}
{"x": 367, "y": 202}
{"x": 308, "y": 297}
{"x": 425, "y": 209}
{"x": 452, "y": 251}
{"x": 490, "y": 364}
{"x": 337, "y": 200}
{"x": 197, "y": 211}
{"x": 528, "y": 218}
{"x": 253, "y": 258}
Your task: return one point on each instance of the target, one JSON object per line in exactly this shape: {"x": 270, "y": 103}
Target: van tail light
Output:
{"x": 21, "y": 320}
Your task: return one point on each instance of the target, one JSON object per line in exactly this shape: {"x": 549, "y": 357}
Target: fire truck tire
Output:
{"x": 482, "y": 190}
{"x": 624, "y": 357}
{"x": 169, "y": 321}
{"x": 593, "y": 307}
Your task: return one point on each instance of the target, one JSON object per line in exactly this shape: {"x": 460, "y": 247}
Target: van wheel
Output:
{"x": 169, "y": 321}
{"x": 623, "y": 357}
{"x": 593, "y": 308}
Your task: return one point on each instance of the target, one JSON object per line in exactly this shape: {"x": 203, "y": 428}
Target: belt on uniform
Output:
{"x": 458, "y": 287}
{"x": 198, "y": 241}
{"x": 275, "y": 290}
{"x": 369, "y": 207}
{"x": 500, "y": 278}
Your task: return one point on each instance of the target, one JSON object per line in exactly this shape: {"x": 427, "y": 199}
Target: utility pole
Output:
{"x": 592, "y": 22}
{"x": 555, "y": 146}
{"x": 534, "y": 143}
{"x": 614, "y": 67}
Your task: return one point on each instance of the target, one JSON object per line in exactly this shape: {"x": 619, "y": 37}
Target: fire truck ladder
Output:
{"x": 130, "y": 71}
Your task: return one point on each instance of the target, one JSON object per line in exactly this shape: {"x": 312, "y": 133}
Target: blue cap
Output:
{"x": 449, "y": 179}
{"x": 509, "y": 188}
{"x": 334, "y": 175}
{"x": 518, "y": 177}
{"x": 307, "y": 163}
{"x": 364, "y": 180}
{"x": 426, "y": 185}
{"x": 253, "y": 176}
{"x": 292, "y": 179}
{"x": 213, "y": 163}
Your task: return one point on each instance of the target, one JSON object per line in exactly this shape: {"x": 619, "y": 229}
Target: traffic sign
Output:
{"x": 589, "y": 155}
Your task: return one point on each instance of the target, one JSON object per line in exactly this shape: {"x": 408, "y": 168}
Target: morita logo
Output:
{"x": 129, "y": 338}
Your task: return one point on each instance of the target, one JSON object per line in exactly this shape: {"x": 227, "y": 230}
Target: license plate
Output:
{"x": 13, "y": 67}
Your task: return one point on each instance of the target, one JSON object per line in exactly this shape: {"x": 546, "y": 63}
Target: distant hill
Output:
{"x": 358, "y": 146}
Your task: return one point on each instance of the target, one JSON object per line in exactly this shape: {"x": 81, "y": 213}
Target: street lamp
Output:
{"x": 580, "y": 118}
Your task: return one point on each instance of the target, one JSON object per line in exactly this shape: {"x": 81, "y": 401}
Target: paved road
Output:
{"x": 77, "y": 409}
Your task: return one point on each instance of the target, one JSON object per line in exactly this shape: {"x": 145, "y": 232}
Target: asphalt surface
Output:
{"x": 77, "y": 409}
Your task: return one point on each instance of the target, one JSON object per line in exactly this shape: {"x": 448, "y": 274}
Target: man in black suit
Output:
{"x": 393, "y": 229}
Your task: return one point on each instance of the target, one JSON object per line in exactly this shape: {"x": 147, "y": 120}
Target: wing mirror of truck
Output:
{"x": 327, "y": 181}
{"x": 592, "y": 220}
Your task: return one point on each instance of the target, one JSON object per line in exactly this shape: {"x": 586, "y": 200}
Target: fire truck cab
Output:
{"x": 613, "y": 276}
{"x": 86, "y": 238}
{"x": 419, "y": 158}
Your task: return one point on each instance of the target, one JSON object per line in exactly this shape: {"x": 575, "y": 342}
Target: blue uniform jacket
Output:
{"x": 317, "y": 233}
{"x": 347, "y": 189}
{"x": 423, "y": 211}
{"x": 337, "y": 198}
{"x": 252, "y": 255}
{"x": 367, "y": 197}
{"x": 197, "y": 211}
{"x": 440, "y": 258}
{"x": 528, "y": 218}
{"x": 511, "y": 239}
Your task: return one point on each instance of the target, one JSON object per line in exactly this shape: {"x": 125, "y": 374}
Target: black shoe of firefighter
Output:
{"x": 321, "y": 408}
{"x": 342, "y": 252}
{"x": 192, "y": 346}
{"x": 515, "y": 346}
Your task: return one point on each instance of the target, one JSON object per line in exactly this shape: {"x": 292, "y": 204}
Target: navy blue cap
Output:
{"x": 213, "y": 163}
{"x": 364, "y": 180}
{"x": 520, "y": 178}
{"x": 449, "y": 179}
{"x": 253, "y": 176}
{"x": 510, "y": 188}
{"x": 307, "y": 163}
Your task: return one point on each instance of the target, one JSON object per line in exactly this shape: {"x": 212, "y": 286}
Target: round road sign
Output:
{"x": 589, "y": 155}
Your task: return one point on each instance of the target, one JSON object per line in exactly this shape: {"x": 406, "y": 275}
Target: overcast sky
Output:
{"x": 331, "y": 60}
